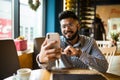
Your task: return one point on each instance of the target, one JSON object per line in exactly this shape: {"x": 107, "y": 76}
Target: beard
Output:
{"x": 73, "y": 37}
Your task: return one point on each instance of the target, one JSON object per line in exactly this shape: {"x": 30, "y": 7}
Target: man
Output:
{"x": 78, "y": 51}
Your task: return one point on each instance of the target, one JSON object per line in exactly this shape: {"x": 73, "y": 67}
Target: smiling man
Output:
{"x": 77, "y": 51}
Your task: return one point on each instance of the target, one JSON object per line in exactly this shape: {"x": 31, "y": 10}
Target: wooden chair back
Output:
{"x": 104, "y": 43}
{"x": 109, "y": 53}
{"x": 37, "y": 45}
{"x": 108, "y": 49}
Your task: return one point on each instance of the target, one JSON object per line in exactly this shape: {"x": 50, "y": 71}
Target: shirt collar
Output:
{"x": 77, "y": 45}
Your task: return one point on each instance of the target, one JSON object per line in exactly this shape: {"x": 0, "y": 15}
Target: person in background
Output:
{"x": 98, "y": 29}
{"x": 77, "y": 51}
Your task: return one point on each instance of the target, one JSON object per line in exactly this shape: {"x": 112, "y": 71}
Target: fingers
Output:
{"x": 53, "y": 54}
{"x": 68, "y": 50}
{"x": 48, "y": 53}
{"x": 45, "y": 42}
{"x": 48, "y": 45}
{"x": 71, "y": 51}
{"x": 51, "y": 45}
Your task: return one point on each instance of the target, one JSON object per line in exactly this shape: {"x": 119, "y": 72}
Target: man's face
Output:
{"x": 69, "y": 28}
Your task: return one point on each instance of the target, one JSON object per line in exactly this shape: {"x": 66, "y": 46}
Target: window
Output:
{"x": 5, "y": 19}
{"x": 31, "y": 21}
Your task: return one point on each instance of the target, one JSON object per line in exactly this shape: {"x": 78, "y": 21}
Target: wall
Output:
{"x": 53, "y": 8}
{"x": 107, "y": 12}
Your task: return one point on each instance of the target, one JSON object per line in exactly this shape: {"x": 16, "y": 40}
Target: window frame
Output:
{"x": 15, "y": 17}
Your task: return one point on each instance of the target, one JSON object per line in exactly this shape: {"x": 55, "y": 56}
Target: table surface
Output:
{"x": 42, "y": 74}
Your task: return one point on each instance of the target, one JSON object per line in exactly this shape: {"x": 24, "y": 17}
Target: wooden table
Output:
{"x": 42, "y": 74}
{"x": 111, "y": 76}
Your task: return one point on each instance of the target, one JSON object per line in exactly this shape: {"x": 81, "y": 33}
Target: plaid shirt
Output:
{"x": 91, "y": 56}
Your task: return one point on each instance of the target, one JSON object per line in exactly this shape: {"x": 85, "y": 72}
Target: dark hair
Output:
{"x": 67, "y": 14}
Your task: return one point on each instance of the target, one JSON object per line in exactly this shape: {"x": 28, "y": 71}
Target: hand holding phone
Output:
{"x": 54, "y": 37}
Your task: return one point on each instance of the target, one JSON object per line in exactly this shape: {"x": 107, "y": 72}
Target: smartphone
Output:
{"x": 52, "y": 37}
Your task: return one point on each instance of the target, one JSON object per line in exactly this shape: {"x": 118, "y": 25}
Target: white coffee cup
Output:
{"x": 23, "y": 73}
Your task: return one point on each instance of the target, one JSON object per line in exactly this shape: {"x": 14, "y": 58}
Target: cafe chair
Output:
{"x": 109, "y": 53}
{"x": 37, "y": 45}
{"x": 9, "y": 62}
{"x": 104, "y": 43}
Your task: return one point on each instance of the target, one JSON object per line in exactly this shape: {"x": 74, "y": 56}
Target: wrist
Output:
{"x": 38, "y": 59}
{"x": 41, "y": 64}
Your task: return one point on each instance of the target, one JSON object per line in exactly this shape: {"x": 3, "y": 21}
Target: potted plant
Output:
{"x": 115, "y": 36}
